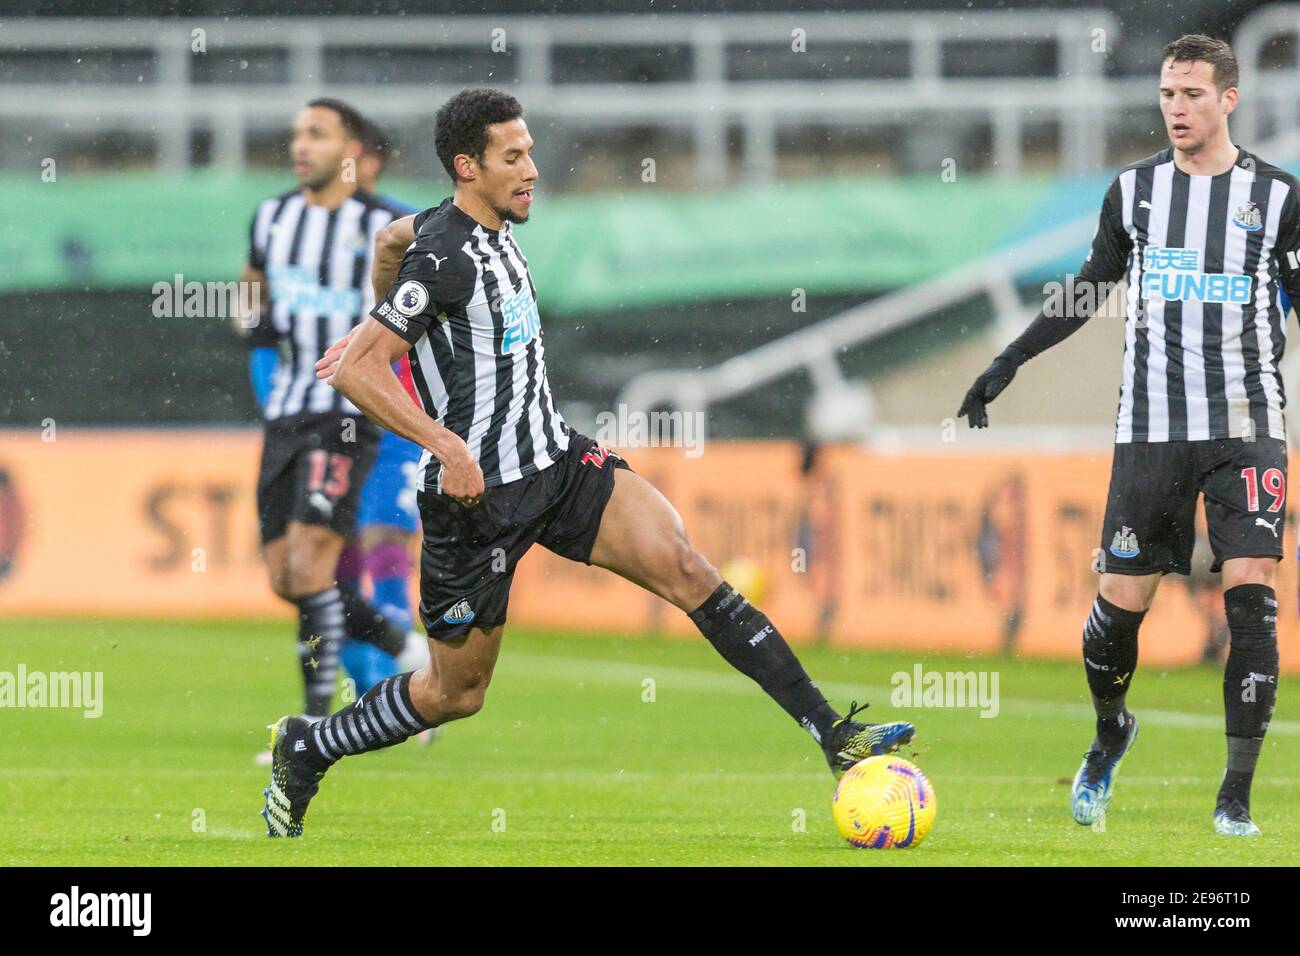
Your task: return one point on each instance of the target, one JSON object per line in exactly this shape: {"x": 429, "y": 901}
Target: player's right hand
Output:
{"x": 462, "y": 478}
{"x": 986, "y": 388}
{"x": 328, "y": 363}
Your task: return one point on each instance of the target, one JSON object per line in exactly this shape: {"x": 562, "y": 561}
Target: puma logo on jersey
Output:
{"x": 1271, "y": 526}
{"x": 1143, "y": 204}
{"x": 437, "y": 263}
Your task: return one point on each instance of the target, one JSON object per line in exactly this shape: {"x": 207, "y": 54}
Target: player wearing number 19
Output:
{"x": 1205, "y": 235}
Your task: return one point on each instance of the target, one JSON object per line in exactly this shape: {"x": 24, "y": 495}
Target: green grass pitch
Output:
{"x": 568, "y": 764}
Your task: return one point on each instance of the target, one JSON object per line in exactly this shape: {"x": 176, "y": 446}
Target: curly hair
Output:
{"x": 463, "y": 121}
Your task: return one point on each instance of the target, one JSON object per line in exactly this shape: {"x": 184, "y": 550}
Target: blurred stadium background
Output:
{"x": 891, "y": 186}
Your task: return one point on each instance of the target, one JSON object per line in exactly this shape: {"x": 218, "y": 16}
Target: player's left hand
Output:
{"x": 986, "y": 388}
{"x": 329, "y": 362}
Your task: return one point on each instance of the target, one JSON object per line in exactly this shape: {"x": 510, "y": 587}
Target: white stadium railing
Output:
{"x": 839, "y": 409}
{"x": 1268, "y": 105}
{"x": 171, "y": 103}
{"x": 842, "y": 410}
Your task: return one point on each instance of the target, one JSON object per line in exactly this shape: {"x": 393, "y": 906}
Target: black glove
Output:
{"x": 990, "y": 385}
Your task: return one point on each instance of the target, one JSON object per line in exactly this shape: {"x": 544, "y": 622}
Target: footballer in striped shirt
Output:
{"x": 1204, "y": 236}
{"x": 502, "y": 471}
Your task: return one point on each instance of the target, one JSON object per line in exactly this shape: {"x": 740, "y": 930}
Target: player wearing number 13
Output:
{"x": 310, "y": 252}
{"x": 1205, "y": 236}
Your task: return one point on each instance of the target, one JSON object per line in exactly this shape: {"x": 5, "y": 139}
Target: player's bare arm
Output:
{"x": 328, "y": 363}
{"x": 391, "y": 244}
{"x": 364, "y": 373}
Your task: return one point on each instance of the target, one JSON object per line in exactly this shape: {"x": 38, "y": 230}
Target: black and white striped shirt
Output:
{"x": 466, "y": 303}
{"x": 317, "y": 264}
{"x": 1205, "y": 259}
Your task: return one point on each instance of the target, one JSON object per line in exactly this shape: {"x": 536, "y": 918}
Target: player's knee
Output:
{"x": 695, "y": 576}
{"x": 1238, "y": 571}
{"x": 442, "y": 699}
{"x": 310, "y": 570}
{"x": 463, "y": 701}
{"x": 280, "y": 582}
{"x": 470, "y": 702}
{"x": 306, "y": 581}
{"x": 1130, "y": 592}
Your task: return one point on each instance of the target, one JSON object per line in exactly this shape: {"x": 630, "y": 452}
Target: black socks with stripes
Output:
{"x": 1249, "y": 683}
{"x": 749, "y": 642}
{"x": 1110, "y": 651}
{"x": 320, "y": 638}
{"x": 382, "y": 717}
{"x": 1110, "y": 654}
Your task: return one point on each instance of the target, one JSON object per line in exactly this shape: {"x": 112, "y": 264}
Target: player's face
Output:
{"x": 1193, "y": 108}
{"x": 507, "y": 174}
{"x": 320, "y": 144}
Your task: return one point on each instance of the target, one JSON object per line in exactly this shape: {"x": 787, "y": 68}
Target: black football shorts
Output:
{"x": 313, "y": 468}
{"x": 1150, "y": 523}
{"x": 469, "y": 555}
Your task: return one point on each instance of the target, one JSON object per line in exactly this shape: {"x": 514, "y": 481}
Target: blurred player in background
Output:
{"x": 1206, "y": 596}
{"x": 818, "y": 537}
{"x": 388, "y": 518}
{"x": 310, "y": 251}
{"x": 1201, "y": 231}
{"x": 502, "y": 471}
{"x": 1002, "y": 554}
